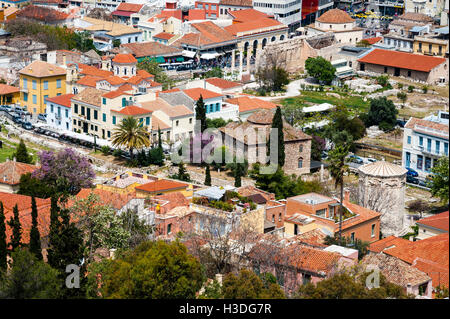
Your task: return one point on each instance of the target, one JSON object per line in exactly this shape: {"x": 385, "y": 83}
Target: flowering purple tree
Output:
{"x": 66, "y": 172}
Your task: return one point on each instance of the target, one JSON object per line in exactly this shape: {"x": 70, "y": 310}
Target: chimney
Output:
{"x": 346, "y": 195}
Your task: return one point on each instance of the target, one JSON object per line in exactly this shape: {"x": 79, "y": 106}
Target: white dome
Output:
{"x": 382, "y": 169}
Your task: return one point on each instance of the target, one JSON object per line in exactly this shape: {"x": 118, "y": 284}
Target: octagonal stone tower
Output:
{"x": 382, "y": 189}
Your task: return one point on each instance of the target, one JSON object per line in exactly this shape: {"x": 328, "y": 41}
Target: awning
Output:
{"x": 179, "y": 59}
{"x": 189, "y": 54}
{"x": 122, "y": 13}
{"x": 209, "y": 56}
{"x": 158, "y": 59}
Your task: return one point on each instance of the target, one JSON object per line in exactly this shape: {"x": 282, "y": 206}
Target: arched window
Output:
{"x": 273, "y": 39}
{"x": 301, "y": 148}
{"x": 282, "y": 37}
{"x": 300, "y": 162}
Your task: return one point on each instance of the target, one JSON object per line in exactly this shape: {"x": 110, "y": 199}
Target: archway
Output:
{"x": 282, "y": 37}
{"x": 264, "y": 42}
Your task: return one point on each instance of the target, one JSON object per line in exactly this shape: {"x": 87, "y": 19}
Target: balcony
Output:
{"x": 24, "y": 90}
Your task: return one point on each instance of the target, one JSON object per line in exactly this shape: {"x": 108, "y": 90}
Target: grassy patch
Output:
{"x": 6, "y": 152}
{"x": 353, "y": 103}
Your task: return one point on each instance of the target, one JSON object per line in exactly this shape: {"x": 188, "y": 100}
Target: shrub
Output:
{"x": 425, "y": 89}
{"x": 411, "y": 88}
{"x": 117, "y": 153}
{"x": 105, "y": 150}
{"x": 400, "y": 86}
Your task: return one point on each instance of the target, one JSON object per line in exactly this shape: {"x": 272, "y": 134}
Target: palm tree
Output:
{"x": 337, "y": 169}
{"x": 131, "y": 135}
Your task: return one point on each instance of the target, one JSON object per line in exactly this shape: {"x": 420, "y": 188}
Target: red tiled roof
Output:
{"x": 42, "y": 14}
{"x": 116, "y": 200}
{"x": 246, "y": 103}
{"x": 439, "y": 221}
{"x": 196, "y": 92}
{"x": 114, "y": 94}
{"x": 157, "y": 123}
{"x": 221, "y": 83}
{"x": 251, "y": 25}
{"x": 152, "y": 49}
{"x": 91, "y": 70}
{"x": 175, "y": 199}
{"x": 372, "y": 40}
{"x": 212, "y": 32}
{"x": 196, "y": 14}
{"x": 10, "y": 171}
{"x": 24, "y": 206}
{"x": 132, "y": 110}
{"x": 402, "y": 60}
{"x": 122, "y": 13}
{"x": 132, "y": 7}
{"x": 63, "y": 99}
{"x": 171, "y": 13}
{"x": 124, "y": 58}
{"x": 335, "y": 16}
{"x": 8, "y": 89}
{"x": 164, "y": 36}
{"x": 89, "y": 80}
{"x": 388, "y": 242}
{"x": 247, "y": 15}
{"x": 114, "y": 80}
{"x": 429, "y": 124}
{"x": 161, "y": 186}
{"x": 144, "y": 74}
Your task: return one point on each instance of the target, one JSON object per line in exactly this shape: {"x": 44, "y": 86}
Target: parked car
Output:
{"x": 371, "y": 160}
{"x": 27, "y": 126}
{"x": 423, "y": 183}
{"x": 356, "y": 159}
{"x": 401, "y": 123}
{"x": 17, "y": 119}
{"x": 411, "y": 179}
{"x": 42, "y": 117}
{"x": 411, "y": 172}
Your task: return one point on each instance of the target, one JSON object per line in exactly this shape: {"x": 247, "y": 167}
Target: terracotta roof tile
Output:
{"x": 8, "y": 89}
{"x": 93, "y": 71}
{"x": 246, "y": 103}
{"x": 157, "y": 123}
{"x": 164, "y": 36}
{"x": 388, "y": 242}
{"x": 161, "y": 186}
{"x": 151, "y": 49}
{"x": 412, "y": 122}
{"x": 195, "y": 93}
{"x": 63, "y": 99}
{"x": 395, "y": 270}
{"x": 42, "y": 14}
{"x": 42, "y": 69}
{"x": 90, "y": 95}
{"x": 246, "y": 15}
{"x": 124, "y": 58}
{"x": 196, "y": 14}
{"x": 415, "y": 16}
{"x": 10, "y": 171}
{"x": 114, "y": 94}
{"x": 212, "y": 32}
{"x": 373, "y": 40}
{"x": 335, "y": 16}
{"x": 222, "y": 83}
{"x": 132, "y": 110}
{"x": 89, "y": 80}
{"x": 238, "y": 3}
{"x": 439, "y": 221}
{"x": 132, "y": 7}
{"x": 144, "y": 74}
{"x": 262, "y": 23}
{"x": 113, "y": 199}
{"x": 402, "y": 60}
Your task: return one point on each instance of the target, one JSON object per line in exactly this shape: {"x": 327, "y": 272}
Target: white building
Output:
{"x": 425, "y": 141}
{"x": 288, "y": 12}
{"x": 433, "y": 8}
{"x": 59, "y": 112}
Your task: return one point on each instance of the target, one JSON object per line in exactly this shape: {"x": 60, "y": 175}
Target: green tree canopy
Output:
{"x": 152, "y": 270}
{"x": 35, "y": 187}
{"x": 277, "y": 123}
{"x": 320, "y": 69}
{"x": 247, "y": 285}
{"x": 130, "y": 134}
{"x": 382, "y": 112}
{"x": 439, "y": 184}
{"x": 29, "y": 278}
{"x": 21, "y": 154}
{"x": 35, "y": 237}
{"x": 345, "y": 286}
{"x": 3, "y": 245}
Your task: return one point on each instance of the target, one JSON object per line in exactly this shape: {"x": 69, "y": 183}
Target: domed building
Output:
{"x": 339, "y": 23}
{"x": 382, "y": 189}
{"x": 124, "y": 65}
{"x": 251, "y": 137}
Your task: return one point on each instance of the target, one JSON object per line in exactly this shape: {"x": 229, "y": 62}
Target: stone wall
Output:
{"x": 385, "y": 195}
{"x": 293, "y": 154}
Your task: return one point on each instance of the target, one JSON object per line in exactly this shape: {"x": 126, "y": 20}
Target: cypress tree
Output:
{"x": 277, "y": 123}
{"x": 200, "y": 114}
{"x": 3, "y": 246}
{"x": 207, "y": 176}
{"x": 183, "y": 175}
{"x": 53, "y": 233}
{"x": 16, "y": 235}
{"x": 35, "y": 238}
{"x": 238, "y": 172}
{"x": 159, "y": 138}
{"x": 21, "y": 154}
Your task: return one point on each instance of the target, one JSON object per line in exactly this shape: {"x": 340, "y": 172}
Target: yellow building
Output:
{"x": 430, "y": 46}
{"x": 162, "y": 187}
{"x": 9, "y": 94}
{"x": 126, "y": 183}
{"x": 38, "y": 81}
